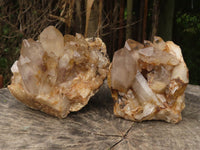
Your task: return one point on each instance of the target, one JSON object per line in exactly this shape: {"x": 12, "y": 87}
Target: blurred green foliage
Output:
{"x": 190, "y": 23}
{"x": 187, "y": 35}
{"x": 10, "y": 43}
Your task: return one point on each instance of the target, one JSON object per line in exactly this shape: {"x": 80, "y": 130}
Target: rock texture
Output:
{"x": 58, "y": 74}
{"x": 148, "y": 81}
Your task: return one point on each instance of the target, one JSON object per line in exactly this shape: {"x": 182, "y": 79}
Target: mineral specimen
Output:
{"x": 148, "y": 81}
{"x": 57, "y": 74}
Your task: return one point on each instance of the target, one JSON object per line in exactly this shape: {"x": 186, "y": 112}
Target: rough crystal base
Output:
{"x": 148, "y": 81}
{"x": 59, "y": 74}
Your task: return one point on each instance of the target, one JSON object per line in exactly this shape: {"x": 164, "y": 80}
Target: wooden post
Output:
{"x": 69, "y": 13}
{"x": 140, "y": 25}
{"x": 1, "y": 81}
{"x": 129, "y": 19}
{"x": 121, "y": 20}
{"x": 100, "y": 17}
{"x": 78, "y": 18}
{"x": 88, "y": 11}
{"x": 144, "y": 20}
{"x": 166, "y": 17}
{"x": 155, "y": 16}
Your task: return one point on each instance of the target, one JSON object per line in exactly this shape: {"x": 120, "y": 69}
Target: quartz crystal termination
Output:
{"x": 148, "y": 81}
{"x": 58, "y": 74}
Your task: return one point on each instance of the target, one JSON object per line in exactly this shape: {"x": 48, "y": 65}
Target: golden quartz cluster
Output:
{"x": 148, "y": 81}
{"x": 57, "y": 74}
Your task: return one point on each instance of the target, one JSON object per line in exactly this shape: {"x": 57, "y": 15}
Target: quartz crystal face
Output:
{"x": 58, "y": 74}
{"x": 148, "y": 81}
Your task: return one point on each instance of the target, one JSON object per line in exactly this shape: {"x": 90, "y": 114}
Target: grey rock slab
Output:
{"x": 95, "y": 127}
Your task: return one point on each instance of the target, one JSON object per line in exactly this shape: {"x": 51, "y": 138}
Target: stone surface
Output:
{"x": 96, "y": 127}
{"x": 58, "y": 74}
{"x": 148, "y": 81}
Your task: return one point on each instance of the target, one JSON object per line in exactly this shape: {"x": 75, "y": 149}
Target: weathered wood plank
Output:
{"x": 95, "y": 127}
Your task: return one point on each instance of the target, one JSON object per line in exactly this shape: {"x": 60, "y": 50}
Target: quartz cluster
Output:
{"x": 148, "y": 80}
{"x": 58, "y": 74}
